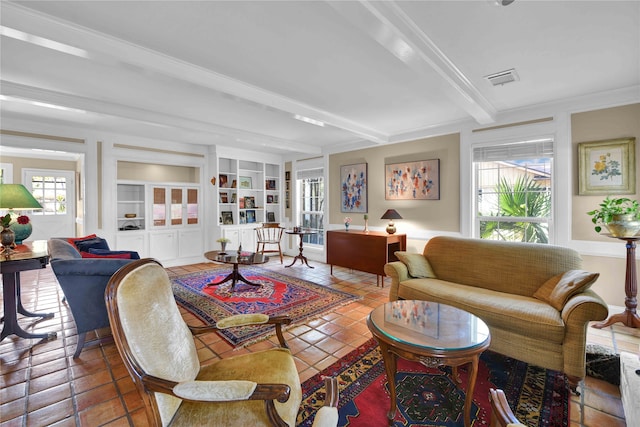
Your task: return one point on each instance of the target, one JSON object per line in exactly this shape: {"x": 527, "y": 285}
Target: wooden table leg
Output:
{"x": 468, "y": 400}
{"x": 390, "y": 360}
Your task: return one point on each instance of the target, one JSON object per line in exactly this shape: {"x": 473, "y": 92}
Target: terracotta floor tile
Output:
{"x": 103, "y": 390}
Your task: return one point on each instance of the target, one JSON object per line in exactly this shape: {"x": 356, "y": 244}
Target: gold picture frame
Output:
{"x": 607, "y": 167}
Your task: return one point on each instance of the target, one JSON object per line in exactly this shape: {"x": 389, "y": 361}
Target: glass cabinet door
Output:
{"x": 176, "y": 206}
{"x": 159, "y": 207}
{"x": 192, "y": 206}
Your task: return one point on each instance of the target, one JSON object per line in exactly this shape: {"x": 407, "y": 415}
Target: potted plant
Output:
{"x": 223, "y": 243}
{"x": 619, "y": 214}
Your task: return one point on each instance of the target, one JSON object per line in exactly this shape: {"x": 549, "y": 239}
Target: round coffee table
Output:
{"x": 430, "y": 333}
{"x": 235, "y": 259}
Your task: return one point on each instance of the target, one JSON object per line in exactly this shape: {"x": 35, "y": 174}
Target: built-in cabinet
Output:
{"x": 248, "y": 192}
{"x": 161, "y": 221}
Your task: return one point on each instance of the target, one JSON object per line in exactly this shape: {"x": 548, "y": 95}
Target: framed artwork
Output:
{"x": 270, "y": 184}
{"x": 271, "y": 217}
{"x": 269, "y": 198}
{"x": 275, "y": 198}
{"x": 223, "y": 179}
{"x": 607, "y": 167}
{"x": 245, "y": 182}
{"x": 241, "y": 203}
{"x": 249, "y": 202}
{"x": 353, "y": 183}
{"x": 224, "y": 197}
{"x": 243, "y": 217}
{"x": 413, "y": 180}
{"x": 234, "y": 197}
{"x": 234, "y": 184}
{"x": 227, "y": 217}
{"x": 251, "y": 216}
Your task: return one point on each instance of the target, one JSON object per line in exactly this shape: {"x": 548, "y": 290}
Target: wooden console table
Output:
{"x": 364, "y": 251}
{"x": 629, "y": 317}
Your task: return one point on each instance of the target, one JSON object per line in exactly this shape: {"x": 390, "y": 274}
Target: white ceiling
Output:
{"x": 236, "y": 73}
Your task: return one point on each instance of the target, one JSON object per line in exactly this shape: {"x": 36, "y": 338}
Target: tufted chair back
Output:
{"x": 150, "y": 332}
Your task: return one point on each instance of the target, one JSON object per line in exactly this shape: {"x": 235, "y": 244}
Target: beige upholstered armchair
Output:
{"x": 157, "y": 346}
{"x": 270, "y": 234}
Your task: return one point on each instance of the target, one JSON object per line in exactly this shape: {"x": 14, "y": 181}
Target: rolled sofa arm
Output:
{"x": 398, "y": 272}
{"x": 581, "y": 309}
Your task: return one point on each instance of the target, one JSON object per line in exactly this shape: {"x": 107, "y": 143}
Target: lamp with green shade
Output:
{"x": 15, "y": 197}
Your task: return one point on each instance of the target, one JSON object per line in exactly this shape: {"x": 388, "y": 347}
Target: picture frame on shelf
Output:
{"x": 287, "y": 175}
{"x": 234, "y": 197}
{"x": 607, "y": 167}
{"x": 269, "y": 198}
{"x": 271, "y": 217}
{"x": 227, "y": 217}
{"x": 276, "y": 198}
{"x": 223, "y": 180}
{"x": 234, "y": 184}
{"x": 251, "y": 216}
{"x": 249, "y": 202}
{"x": 243, "y": 217}
{"x": 270, "y": 184}
{"x": 353, "y": 184}
{"x": 241, "y": 204}
{"x": 224, "y": 197}
{"x": 412, "y": 180}
{"x": 245, "y": 183}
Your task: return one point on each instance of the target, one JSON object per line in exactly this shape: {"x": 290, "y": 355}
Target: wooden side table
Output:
{"x": 629, "y": 317}
{"x": 302, "y": 258}
{"x": 29, "y": 256}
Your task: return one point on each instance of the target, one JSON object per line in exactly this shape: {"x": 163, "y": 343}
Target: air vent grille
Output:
{"x": 503, "y": 77}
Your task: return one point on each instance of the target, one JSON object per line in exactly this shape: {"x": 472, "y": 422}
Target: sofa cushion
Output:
{"x": 61, "y": 249}
{"x": 417, "y": 264}
{"x": 97, "y": 251}
{"x": 73, "y": 240}
{"x": 509, "y": 312}
{"x": 125, "y": 255}
{"x": 96, "y": 242}
{"x": 557, "y": 290}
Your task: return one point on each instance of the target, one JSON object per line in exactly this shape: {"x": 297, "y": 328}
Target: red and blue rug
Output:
{"x": 429, "y": 397}
{"x": 279, "y": 294}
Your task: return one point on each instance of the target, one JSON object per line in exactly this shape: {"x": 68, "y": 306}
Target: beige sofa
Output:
{"x": 502, "y": 283}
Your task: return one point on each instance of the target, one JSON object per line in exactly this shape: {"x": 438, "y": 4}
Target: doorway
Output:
{"x": 56, "y": 192}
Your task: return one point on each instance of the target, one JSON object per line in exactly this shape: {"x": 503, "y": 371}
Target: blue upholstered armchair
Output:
{"x": 83, "y": 281}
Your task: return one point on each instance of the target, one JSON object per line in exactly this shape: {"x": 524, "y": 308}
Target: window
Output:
{"x": 51, "y": 192}
{"x": 310, "y": 190}
{"x": 513, "y": 191}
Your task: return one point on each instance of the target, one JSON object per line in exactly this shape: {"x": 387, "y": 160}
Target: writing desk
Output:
{"x": 28, "y": 256}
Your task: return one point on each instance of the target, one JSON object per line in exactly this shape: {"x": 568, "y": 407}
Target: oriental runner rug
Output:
{"x": 429, "y": 397}
{"x": 279, "y": 294}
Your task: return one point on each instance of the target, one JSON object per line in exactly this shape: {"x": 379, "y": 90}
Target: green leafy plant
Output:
{"x": 613, "y": 206}
{"x": 223, "y": 240}
{"x": 5, "y": 220}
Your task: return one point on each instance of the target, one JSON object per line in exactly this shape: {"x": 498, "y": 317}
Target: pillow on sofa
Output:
{"x": 417, "y": 264}
{"x": 117, "y": 256}
{"x": 96, "y": 251}
{"x": 95, "y": 243}
{"x": 73, "y": 240}
{"x": 557, "y": 290}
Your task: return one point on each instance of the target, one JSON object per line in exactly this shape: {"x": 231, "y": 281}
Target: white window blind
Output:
{"x": 310, "y": 168}
{"x": 538, "y": 149}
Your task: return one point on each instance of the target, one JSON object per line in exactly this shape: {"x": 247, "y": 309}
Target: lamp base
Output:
{"x": 391, "y": 228}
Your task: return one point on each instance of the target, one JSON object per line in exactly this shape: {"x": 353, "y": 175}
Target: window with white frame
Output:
{"x": 51, "y": 192}
{"x": 310, "y": 190}
{"x": 513, "y": 191}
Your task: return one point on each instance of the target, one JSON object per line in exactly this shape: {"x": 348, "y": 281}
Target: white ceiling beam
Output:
{"x": 393, "y": 29}
{"x": 151, "y": 118}
{"x": 102, "y": 48}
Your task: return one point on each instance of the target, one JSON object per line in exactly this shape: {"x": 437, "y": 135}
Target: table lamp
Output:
{"x": 391, "y": 214}
{"x": 14, "y": 196}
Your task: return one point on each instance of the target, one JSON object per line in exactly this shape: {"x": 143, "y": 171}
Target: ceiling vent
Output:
{"x": 503, "y": 77}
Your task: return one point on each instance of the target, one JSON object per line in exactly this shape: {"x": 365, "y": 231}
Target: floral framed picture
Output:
{"x": 607, "y": 167}
{"x": 413, "y": 180}
{"x": 353, "y": 186}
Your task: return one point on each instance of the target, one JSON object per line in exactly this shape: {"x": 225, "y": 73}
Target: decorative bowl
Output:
{"x": 130, "y": 215}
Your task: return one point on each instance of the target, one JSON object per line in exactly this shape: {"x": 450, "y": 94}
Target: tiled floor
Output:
{"x": 43, "y": 385}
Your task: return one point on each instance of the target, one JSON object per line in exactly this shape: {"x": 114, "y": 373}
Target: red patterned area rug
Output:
{"x": 279, "y": 295}
{"x": 429, "y": 397}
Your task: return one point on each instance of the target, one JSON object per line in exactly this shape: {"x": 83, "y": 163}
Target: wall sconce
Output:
{"x": 391, "y": 214}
